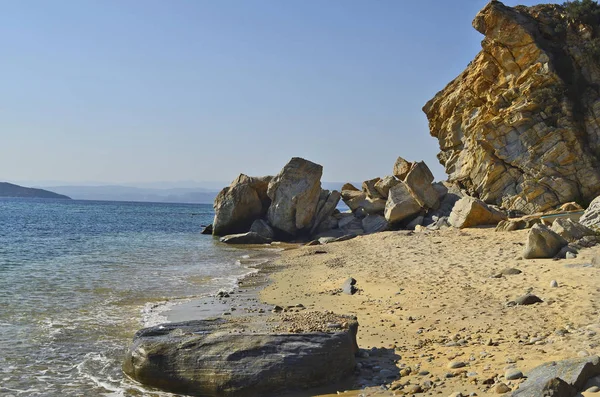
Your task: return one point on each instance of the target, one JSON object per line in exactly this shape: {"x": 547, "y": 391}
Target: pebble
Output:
{"x": 553, "y": 284}
{"x": 511, "y": 271}
{"x": 416, "y": 389}
{"x": 528, "y": 299}
{"x": 501, "y": 388}
{"x": 456, "y": 364}
{"x": 593, "y": 389}
{"x": 570, "y": 255}
{"x": 405, "y": 371}
{"x": 456, "y": 394}
{"x": 424, "y": 373}
{"x": 513, "y": 374}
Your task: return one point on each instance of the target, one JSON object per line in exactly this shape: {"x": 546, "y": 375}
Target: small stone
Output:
{"x": 570, "y": 255}
{"x": 277, "y": 309}
{"x": 593, "y": 389}
{"x": 416, "y": 389}
{"x": 423, "y": 373}
{"x": 553, "y": 284}
{"x": 513, "y": 374}
{"x": 405, "y": 371}
{"x": 456, "y": 364}
{"x": 511, "y": 271}
{"x": 501, "y": 388}
{"x": 528, "y": 299}
{"x": 456, "y": 394}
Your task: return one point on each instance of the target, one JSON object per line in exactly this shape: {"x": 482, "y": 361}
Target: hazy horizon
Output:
{"x": 189, "y": 91}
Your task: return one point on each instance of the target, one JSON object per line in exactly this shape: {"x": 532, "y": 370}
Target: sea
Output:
{"x": 78, "y": 278}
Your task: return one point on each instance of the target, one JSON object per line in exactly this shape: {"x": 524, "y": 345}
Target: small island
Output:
{"x": 11, "y": 190}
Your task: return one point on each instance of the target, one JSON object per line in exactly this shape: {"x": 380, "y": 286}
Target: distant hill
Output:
{"x": 128, "y": 193}
{"x": 10, "y": 190}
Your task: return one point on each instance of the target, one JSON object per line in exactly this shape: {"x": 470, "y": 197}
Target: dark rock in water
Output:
{"x": 555, "y": 376}
{"x": 528, "y": 299}
{"x": 223, "y": 358}
{"x": 245, "y": 238}
{"x": 262, "y": 228}
{"x": 207, "y": 230}
{"x": 349, "y": 286}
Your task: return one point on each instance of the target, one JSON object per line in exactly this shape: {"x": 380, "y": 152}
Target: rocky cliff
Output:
{"x": 520, "y": 127}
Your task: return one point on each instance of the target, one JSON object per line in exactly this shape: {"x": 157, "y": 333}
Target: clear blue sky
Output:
{"x": 151, "y": 90}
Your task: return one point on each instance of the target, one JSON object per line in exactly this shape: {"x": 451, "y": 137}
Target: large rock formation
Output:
{"x": 246, "y": 357}
{"x": 240, "y": 204}
{"x": 286, "y": 206}
{"x": 520, "y": 127}
{"x": 295, "y": 193}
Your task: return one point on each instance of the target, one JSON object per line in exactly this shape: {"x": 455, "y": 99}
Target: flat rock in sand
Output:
{"x": 573, "y": 375}
{"x": 232, "y": 358}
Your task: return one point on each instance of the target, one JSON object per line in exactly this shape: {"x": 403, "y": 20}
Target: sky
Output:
{"x": 124, "y": 91}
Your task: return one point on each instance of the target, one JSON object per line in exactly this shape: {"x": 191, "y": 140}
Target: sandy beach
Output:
{"x": 432, "y": 300}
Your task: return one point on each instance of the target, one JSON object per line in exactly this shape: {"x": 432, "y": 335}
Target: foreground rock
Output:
{"x": 542, "y": 242}
{"x": 561, "y": 378}
{"x": 240, "y": 204}
{"x": 471, "y": 212}
{"x": 242, "y": 357}
{"x": 519, "y": 127}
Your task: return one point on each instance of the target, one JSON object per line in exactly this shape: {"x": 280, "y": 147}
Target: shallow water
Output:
{"x": 78, "y": 278}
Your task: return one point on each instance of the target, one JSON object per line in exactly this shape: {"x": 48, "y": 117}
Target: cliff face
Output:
{"x": 520, "y": 127}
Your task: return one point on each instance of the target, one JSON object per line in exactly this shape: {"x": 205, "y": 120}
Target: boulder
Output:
{"x": 385, "y": 184}
{"x": 240, "y": 204}
{"x": 355, "y": 200}
{"x": 369, "y": 188}
{"x": 400, "y": 205}
{"x": 349, "y": 186}
{"x": 401, "y": 168}
{"x": 225, "y": 358}
{"x": 471, "y": 212}
{"x": 207, "y": 229}
{"x": 263, "y": 229}
{"x": 295, "y": 193}
{"x": 374, "y": 223}
{"x": 542, "y": 380}
{"x": 514, "y": 128}
{"x": 591, "y": 216}
{"x": 571, "y": 231}
{"x": 419, "y": 180}
{"x": 510, "y": 225}
{"x": 351, "y": 225}
{"x": 542, "y": 242}
{"x": 328, "y": 201}
{"x": 418, "y": 221}
{"x": 245, "y": 238}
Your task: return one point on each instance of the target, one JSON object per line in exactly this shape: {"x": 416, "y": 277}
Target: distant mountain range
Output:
{"x": 161, "y": 192}
{"x": 10, "y": 190}
{"x": 128, "y": 193}
{"x": 194, "y": 195}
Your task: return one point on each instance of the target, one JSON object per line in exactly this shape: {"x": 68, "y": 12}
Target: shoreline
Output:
{"x": 427, "y": 299}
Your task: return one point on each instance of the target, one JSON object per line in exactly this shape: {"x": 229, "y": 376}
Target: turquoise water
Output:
{"x": 78, "y": 278}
